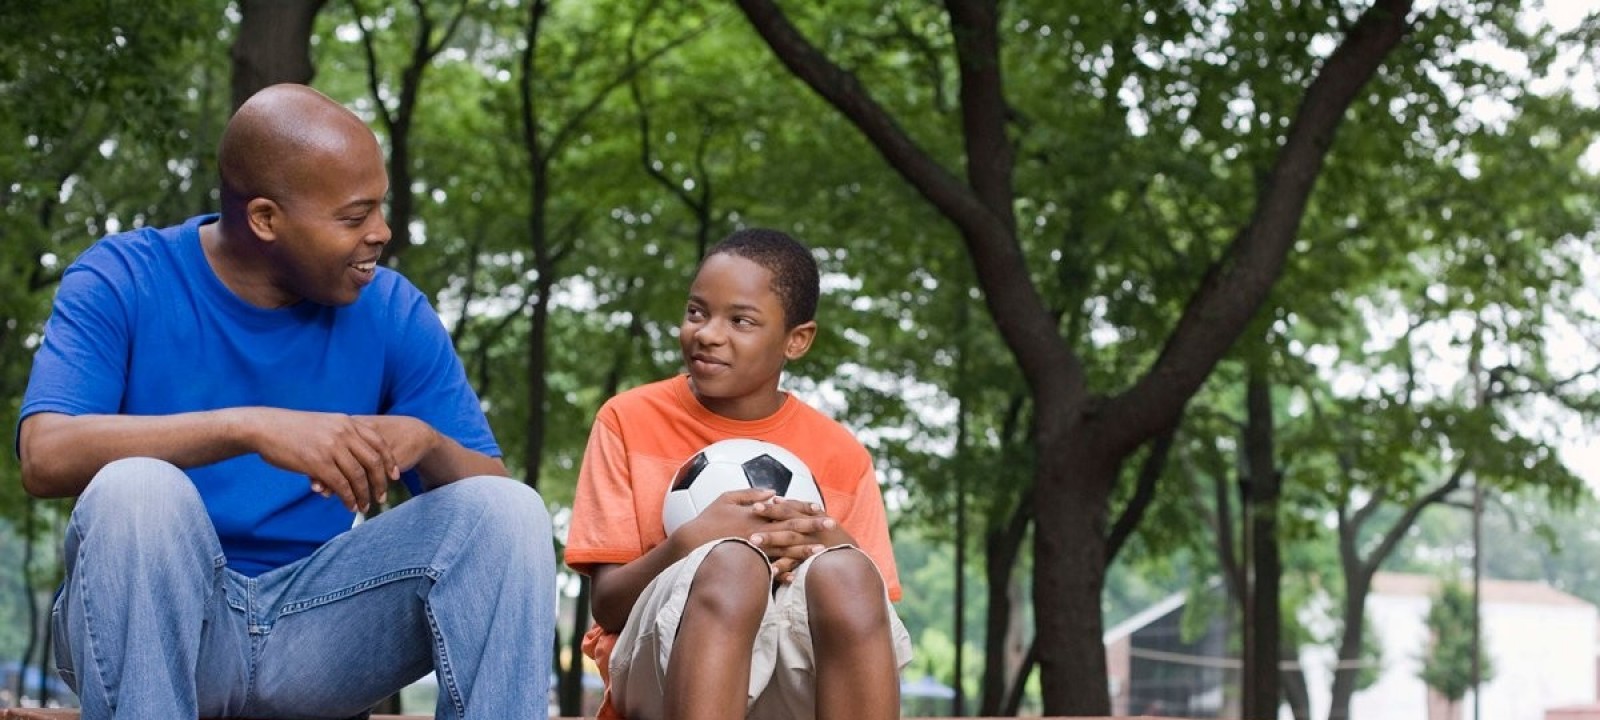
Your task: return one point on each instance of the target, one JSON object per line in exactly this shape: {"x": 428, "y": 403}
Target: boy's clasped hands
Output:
{"x": 788, "y": 531}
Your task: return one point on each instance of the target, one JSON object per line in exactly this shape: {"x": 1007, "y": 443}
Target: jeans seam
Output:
{"x": 447, "y": 677}
{"x": 90, "y": 641}
{"x": 368, "y": 584}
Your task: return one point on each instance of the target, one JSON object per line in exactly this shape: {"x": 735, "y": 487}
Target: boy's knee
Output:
{"x": 844, "y": 590}
{"x": 732, "y": 581}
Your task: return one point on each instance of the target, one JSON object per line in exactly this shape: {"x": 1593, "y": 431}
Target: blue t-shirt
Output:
{"x": 143, "y": 326}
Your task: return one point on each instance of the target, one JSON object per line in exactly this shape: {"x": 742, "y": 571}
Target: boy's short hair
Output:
{"x": 794, "y": 271}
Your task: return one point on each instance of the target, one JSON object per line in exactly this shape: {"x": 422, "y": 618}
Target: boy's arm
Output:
{"x": 617, "y": 587}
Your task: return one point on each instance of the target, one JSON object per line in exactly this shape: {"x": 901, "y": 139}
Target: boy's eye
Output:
{"x": 743, "y": 321}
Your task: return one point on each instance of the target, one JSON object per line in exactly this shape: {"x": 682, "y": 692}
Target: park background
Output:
{"x": 1234, "y": 309}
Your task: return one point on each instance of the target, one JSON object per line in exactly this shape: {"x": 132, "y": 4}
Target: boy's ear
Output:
{"x": 800, "y": 337}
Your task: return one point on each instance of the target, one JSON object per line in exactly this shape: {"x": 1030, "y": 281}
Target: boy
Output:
{"x": 759, "y": 605}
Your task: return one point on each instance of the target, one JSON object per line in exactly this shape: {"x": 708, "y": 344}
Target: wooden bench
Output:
{"x": 32, "y": 714}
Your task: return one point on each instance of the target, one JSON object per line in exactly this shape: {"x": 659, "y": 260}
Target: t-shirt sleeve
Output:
{"x": 82, "y": 363}
{"x": 869, "y": 525}
{"x": 428, "y": 382}
{"x": 604, "y": 528}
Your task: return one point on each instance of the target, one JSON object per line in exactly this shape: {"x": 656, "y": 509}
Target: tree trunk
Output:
{"x": 273, "y": 45}
{"x": 1069, "y": 573}
{"x": 1266, "y": 622}
{"x": 538, "y": 237}
{"x": 1001, "y": 548}
{"x": 1295, "y": 690}
{"x": 28, "y": 544}
{"x": 424, "y": 48}
{"x": 1347, "y": 672}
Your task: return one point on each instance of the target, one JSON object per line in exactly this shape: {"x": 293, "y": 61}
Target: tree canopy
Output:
{"x": 1059, "y": 240}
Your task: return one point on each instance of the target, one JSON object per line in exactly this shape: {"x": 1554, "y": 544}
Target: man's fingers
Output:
{"x": 375, "y": 469}
{"x": 332, "y": 484}
{"x": 353, "y": 481}
{"x": 391, "y": 466}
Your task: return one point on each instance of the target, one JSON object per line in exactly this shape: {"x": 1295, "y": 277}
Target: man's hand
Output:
{"x": 409, "y": 439}
{"x": 342, "y": 455}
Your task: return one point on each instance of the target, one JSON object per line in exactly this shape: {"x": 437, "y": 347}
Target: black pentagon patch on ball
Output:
{"x": 764, "y": 471}
{"x": 689, "y": 471}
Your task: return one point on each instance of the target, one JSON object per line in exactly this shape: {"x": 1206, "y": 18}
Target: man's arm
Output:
{"x": 341, "y": 456}
{"x": 61, "y": 453}
{"x": 437, "y": 457}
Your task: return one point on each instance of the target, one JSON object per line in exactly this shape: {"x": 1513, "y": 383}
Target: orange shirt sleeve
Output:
{"x": 868, "y": 523}
{"x": 604, "y": 528}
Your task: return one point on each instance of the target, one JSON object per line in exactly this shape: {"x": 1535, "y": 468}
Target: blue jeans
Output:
{"x": 151, "y": 623}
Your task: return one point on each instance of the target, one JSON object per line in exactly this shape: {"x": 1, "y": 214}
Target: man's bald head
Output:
{"x": 278, "y": 136}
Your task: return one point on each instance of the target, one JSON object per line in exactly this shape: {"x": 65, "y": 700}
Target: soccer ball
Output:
{"x": 736, "y": 464}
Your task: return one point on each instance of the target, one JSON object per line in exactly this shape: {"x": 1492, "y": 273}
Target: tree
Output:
{"x": 1082, "y": 437}
{"x": 1448, "y": 665}
{"x": 273, "y": 45}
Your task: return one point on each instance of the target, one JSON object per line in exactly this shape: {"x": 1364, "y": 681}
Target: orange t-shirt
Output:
{"x": 639, "y": 439}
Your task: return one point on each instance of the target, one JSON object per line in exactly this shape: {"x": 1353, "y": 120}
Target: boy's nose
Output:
{"x": 709, "y": 334}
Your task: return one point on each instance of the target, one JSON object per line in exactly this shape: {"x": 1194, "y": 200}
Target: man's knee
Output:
{"x": 510, "y": 512}
{"x": 139, "y": 480}
{"x": 142, "y": 508}
{"x": 503, "y": 503}
{"x": 141, "y": 489}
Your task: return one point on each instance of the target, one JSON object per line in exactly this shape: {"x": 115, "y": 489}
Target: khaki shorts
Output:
{"x": 781, "y": 677}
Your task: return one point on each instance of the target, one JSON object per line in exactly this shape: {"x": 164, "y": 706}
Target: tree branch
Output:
{"x": 1018, "y": 311}
{"x": 1155, "y": 464}
{"x": 1235, "y": 287}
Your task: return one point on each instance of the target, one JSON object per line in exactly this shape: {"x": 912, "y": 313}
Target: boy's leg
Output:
{"x": 143, "y": 606}
{"x": 460, "y": 580}
{"x": 709, "y": 670}
{"x": 699, "y": 636}
{"x": 840, "y": 646}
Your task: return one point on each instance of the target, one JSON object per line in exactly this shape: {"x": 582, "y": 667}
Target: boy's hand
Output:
{"x": 732, "y": 515}
{"x": 797, "y": 530}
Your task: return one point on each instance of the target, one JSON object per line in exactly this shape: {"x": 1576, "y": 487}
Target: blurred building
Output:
{"x": 1542, "y": 644}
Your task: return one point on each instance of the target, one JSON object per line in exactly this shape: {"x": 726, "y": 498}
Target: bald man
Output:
{"x": 224, "y": 397}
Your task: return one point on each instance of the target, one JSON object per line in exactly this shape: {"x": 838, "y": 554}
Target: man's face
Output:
{"x": 332, "y": 227}
{"x": 733, "y": 338}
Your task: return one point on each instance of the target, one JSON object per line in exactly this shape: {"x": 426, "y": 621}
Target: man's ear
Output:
{"x": 799, "y": 341}
{"x": 263, "y": 215}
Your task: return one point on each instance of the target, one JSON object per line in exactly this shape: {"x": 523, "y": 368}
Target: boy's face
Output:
{"x": 734, "y": 340}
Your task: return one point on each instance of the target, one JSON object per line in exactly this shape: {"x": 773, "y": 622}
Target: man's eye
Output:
{"x": 355, "y": 221}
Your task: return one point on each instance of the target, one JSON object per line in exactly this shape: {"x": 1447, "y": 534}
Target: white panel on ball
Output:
{"x": 735, "y": 464}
